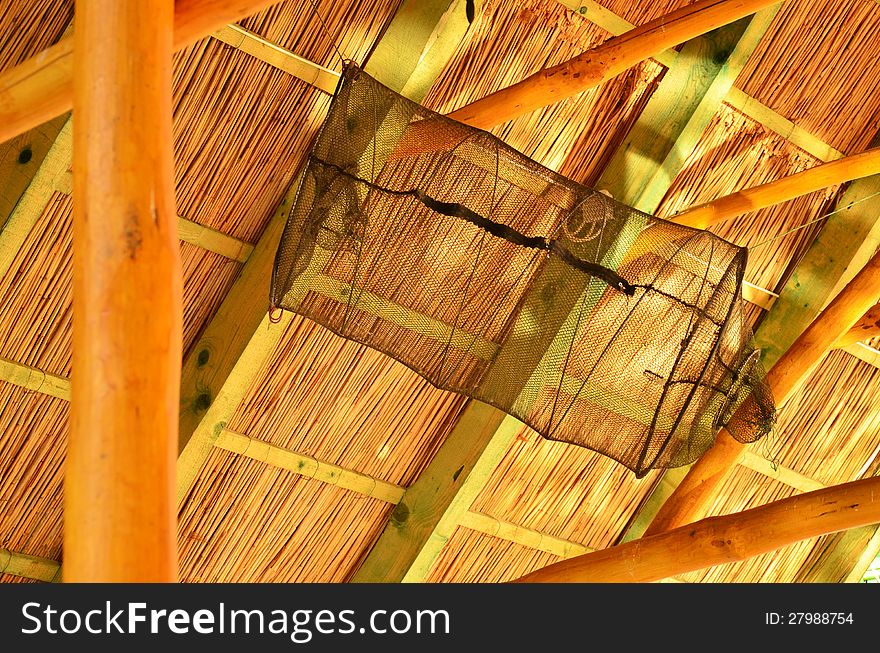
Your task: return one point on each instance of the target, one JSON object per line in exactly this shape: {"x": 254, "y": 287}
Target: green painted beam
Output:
{"x": 232, "y": 348}
{"x": 33, "y": 201}
{"x": 418, "y": 43}
{"x": 21, "y": 158}
{"x": 864, "y": 560}
{"x": 28, "y": 566}
{"x": 842, "y": 557}
{"x": 672, "y": 121}
{"x": 844, "y": 245}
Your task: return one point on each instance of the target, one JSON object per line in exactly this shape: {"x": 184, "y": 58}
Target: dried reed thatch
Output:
{"x": 267, "y": 524}
{"x": 471, "y": 557}
{"x": 241, "y": 131}
{"x": 819, "y": 66}
{"x": 32, "y": 446}
{"x": 30, "y": 27}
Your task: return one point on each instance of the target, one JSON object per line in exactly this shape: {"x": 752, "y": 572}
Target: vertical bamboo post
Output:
{"x": 119, "y": 485}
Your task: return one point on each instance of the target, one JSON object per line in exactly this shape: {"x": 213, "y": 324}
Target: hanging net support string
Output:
{"x": 814, "y": 221}
{"x": 327, "y": 31}
{"x": 499, "y": 230}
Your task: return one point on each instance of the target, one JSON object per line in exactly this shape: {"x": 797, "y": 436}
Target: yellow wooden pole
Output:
{"x": 691, "y": 498}
{"x": 719, "y": 540}
{"x": 605, "y": 61}
{"x": 120, "y": 509}
{"x": 867, "y": 327}
{"x": 816, "y": 178}
{"x": 41, "y": 88}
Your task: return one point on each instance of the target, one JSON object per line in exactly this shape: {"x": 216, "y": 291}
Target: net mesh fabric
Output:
{"x": 497, "y": 278}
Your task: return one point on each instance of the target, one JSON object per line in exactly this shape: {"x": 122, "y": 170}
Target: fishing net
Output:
{"x": 497, "y": 278}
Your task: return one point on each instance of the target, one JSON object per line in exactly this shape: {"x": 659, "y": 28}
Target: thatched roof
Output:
{"x": 242, "y": 129}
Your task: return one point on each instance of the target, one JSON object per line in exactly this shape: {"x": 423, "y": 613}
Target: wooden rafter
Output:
{"x": 28, "y": 566}
{"x": 738, "y": 99}
{"x": 731, "y": 538}
{"x": 855, "y": 166}
{"x": 793, "y": 133}
{"x": 255, "y": 45}
{"x": 605, "y": 61}
{"x": 527, "y": 537}
{"x": 435, "y": 503}
{"x": 20, "y": 159}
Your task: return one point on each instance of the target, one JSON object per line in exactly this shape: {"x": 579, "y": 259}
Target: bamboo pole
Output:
{"x": 718, "y": 540}
{"x": 42, "y": 87}
{"x": 599, "y": 64}
{"x": 693, "y": 495}
{"x": 822, "y": 176}
{"x": 119, "y": 513}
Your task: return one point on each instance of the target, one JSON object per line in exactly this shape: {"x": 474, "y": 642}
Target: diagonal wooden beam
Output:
{"x": 855, "y": 166}
{"x": 672, "y": 122}
{"x": 41, "y": 88}
{"x": 719, "y": 540}
{"x": 230, "y": 351}
{"x": 255, "y": 45}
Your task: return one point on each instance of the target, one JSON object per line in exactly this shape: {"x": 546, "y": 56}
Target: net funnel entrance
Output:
{"x": 497, "y": 278}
